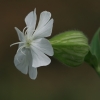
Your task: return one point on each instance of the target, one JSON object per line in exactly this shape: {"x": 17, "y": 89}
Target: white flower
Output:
{"x": 33, "y": 47}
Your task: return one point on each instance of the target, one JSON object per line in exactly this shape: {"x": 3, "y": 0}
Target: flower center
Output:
{"x": 28, "y": 43}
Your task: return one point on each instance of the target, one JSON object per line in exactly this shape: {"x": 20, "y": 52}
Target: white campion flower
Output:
{"x": 33, "y": 47}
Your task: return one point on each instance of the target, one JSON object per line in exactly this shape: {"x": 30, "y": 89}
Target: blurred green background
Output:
{"x": 56, "y": 81}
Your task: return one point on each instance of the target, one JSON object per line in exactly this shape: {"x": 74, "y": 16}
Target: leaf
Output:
{"x": 95, "y": 52}
{"x": 95, "y": 45}
{"x": 91, "y": 59}
{"x": 70, "y": 47}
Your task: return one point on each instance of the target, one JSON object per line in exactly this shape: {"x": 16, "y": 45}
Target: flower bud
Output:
{"x": 70, "y": 47}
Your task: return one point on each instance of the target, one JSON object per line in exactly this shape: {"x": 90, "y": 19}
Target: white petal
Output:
{"x": 20, "y": 34}
{"x": 21, "y": 62}
{"x": 32, "y": 72}
{"x": 30, "y": 21}
{"x": 39, "y": 58}
{"x": 44, "y": 18}
{"x": 44, "y": 31}
{"x": 43, "y": 45}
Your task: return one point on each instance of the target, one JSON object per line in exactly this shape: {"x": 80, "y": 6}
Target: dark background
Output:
{"x": 56, "y": 81}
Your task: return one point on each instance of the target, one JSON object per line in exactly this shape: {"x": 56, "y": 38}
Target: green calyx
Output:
{"x": 70, "y": 47}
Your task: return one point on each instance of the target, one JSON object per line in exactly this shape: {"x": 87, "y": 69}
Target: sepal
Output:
{"x": 70, "y": 47}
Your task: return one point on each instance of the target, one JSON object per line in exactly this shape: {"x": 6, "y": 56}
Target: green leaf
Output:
{"x": 95, "y": 51}
{"x": 70, "y": 47}
{"x": 91, "y": 59}
{"x": 95, "y": 45}
{"x": 93, "y": 62}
